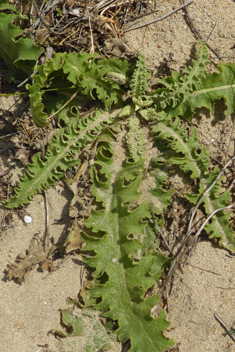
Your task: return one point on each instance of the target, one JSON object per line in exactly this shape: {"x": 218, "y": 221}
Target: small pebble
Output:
{"x": 27, "y": 219}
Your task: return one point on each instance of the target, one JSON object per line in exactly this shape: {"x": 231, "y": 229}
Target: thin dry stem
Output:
{"x": 178, "y": 255}
{"x": 158, "y": 19}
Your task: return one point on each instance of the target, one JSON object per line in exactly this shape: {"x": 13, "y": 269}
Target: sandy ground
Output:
{"x": 206, "y": 286}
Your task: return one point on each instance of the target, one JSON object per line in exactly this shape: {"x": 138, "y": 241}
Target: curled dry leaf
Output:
{"x": 24, "y": 263}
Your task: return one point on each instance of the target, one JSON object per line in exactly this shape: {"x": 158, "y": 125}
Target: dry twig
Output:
{"x": 158, "y": 19}
{"x": 198, "y": 34}
{"x": 224, "y": 326}
{"x": 46, "y": 234}
{"x": 179, "y": 253}
{"x": 161, "y": 234}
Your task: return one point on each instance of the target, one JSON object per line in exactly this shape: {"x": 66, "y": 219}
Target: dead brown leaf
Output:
{"x": 24, "y": 263}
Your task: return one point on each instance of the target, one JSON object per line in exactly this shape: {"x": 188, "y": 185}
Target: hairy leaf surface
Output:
{"x": 114, "y": 240}
{"x": 19, "y": 55}
{"x": 179, "y": 87}
{"x": 216, "y": 86}
{"x": 194, "y": 160}
{"x": 68, "y": 81}
{"x": 42, "y": 173}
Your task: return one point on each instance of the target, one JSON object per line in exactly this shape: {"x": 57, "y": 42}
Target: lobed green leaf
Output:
{"x": 19, "y": 54}
{"x": 42, "y": 173}
{"x": 111, "y": 247}
{"x": 193, "y": 159}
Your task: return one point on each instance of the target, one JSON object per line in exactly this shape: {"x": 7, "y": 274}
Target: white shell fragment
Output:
{"x": 75, "y": 12}
{"x": 27, "y": 219}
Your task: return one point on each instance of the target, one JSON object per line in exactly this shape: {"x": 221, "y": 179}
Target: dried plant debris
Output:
{"x": 76, "y": 25}
{"x": 175, "y": 349}
{"x": 34, "y": 256}
{"x": 87, "y": 331}
{"x": 44, "y": 258}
